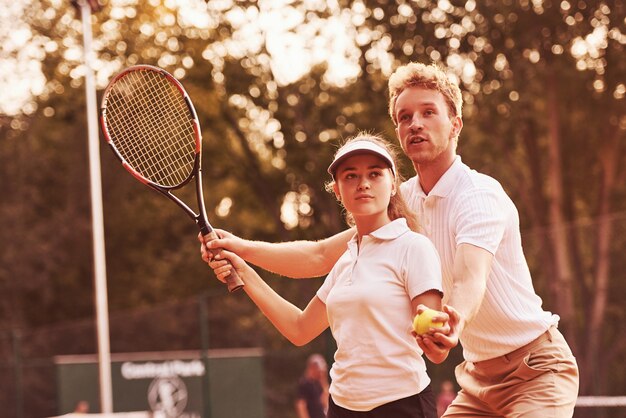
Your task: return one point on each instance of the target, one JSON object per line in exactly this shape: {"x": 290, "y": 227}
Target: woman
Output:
{"x": 371, "y": 295}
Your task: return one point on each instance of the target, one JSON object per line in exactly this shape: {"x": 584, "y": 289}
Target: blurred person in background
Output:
{"x": 445, "y": 397}
{"x": 82, "y": 407}
{"x": 312, "y": 395}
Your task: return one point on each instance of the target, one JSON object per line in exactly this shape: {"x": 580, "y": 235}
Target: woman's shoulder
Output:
{"x": 414, "y": 239}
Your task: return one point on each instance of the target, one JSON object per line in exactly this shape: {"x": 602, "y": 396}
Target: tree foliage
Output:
{"x": 544, "y": 88}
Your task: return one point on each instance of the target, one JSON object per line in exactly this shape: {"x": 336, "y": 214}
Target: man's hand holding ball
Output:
{"x": 428, "y": 326}
{"x": 423, "y": 322}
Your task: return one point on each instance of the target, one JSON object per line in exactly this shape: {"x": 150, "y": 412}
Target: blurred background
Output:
{"x": 277, "y": 85}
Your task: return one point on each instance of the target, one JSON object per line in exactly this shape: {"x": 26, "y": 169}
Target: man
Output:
{"x": 517, "y": 364}
{"x": 312, "y": 396}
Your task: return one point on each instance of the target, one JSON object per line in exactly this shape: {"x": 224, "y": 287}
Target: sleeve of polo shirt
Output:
{"x": 422, "y": 267}
{"x": 324, "y": 290}
{"x": 481, "y": 219}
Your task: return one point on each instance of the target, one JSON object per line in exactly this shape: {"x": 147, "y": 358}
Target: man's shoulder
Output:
{"x": 472, "y": 181}
{"x": 408, "y": 183}
{"x": 408, "y": 188}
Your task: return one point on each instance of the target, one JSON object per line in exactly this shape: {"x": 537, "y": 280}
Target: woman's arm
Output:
{"x": 297, "y": 259}
{"x": 298, "y": 326}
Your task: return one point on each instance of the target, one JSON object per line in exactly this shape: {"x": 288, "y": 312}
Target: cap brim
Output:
{"x": 360, "y": 147}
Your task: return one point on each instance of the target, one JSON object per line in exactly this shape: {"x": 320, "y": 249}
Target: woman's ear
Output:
{"x": 336, "y": 190}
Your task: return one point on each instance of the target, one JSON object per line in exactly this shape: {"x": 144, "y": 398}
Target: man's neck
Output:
{"x": 430, "y": 173}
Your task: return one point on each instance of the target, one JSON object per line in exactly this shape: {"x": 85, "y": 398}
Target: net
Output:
{"x": 600, "y": 401}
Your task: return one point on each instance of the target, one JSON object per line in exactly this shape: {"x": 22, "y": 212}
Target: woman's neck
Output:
{"x": 365, "y": 225}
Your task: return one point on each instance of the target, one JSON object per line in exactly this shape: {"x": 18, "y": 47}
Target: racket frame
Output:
{"x": 200, "y": 218}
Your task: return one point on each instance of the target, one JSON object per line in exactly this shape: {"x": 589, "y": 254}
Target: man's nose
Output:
{"x": 416, "y": 123}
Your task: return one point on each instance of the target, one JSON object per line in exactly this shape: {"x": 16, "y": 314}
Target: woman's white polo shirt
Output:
{"x": 368, "y": 297}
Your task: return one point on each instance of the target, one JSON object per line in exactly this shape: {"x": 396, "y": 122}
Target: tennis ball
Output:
{"x": 424, "y": 321}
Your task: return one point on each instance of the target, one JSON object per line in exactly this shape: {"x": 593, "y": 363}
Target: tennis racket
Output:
{"x": 151, "y": 125}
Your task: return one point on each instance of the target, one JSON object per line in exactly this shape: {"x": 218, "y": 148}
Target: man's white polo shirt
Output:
{"x": 467, "y": 207}
{"x": 368, "y": 297}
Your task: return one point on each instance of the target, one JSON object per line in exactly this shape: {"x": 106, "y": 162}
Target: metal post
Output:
{"x": 102, "y": 310}
{"x": 17, "y": 363}
{"x": 204, "y": 337}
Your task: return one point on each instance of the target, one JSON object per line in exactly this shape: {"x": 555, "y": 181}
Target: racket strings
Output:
{"x": 152, "y": 127}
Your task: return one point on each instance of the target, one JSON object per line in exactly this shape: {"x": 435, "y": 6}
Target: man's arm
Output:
{"x": 471, "y": 269}
{"x": 297, "y": 259}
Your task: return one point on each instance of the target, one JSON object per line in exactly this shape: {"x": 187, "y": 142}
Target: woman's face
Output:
{"x": 364, "y": 184}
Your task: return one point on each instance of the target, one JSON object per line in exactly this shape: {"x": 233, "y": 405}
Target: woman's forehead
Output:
{"x": 363, "y": 160}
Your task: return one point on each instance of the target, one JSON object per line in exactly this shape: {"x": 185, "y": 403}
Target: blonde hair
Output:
{"x": 397, "y": 208}
{"x": 432, "y": 77}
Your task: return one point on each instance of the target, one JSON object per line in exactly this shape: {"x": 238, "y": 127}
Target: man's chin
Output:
{"x": 420, "y": 157}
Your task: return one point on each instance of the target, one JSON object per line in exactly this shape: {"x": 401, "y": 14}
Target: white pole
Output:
{"x": 102, "y": 310}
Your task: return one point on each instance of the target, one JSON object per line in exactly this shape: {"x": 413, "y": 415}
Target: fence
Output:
{"x": 28, "y": 379}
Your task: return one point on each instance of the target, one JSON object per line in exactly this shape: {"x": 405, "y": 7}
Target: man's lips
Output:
{"x": 416, "y": 139}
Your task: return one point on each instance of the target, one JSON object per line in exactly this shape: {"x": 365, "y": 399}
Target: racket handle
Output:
{"x": 233, "y": 281}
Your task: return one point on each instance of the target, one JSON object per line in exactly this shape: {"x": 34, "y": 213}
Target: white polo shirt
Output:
{"x": 468, "y": 207}
{"x": 368, "y": 297}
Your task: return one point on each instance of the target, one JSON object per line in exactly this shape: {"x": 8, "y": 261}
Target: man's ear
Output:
{"x": 397, "y": 131}
{"x": 457, "y": 125}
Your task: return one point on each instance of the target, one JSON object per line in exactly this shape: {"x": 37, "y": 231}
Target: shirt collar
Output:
{"x": 389, "y": 231}
{"x": 446, "y": 182}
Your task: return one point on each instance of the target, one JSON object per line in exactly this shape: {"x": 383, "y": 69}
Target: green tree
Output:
{"x": 544, "y": 113}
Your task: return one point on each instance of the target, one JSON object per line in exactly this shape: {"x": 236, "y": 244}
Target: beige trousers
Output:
{"x": 538, "y": 380}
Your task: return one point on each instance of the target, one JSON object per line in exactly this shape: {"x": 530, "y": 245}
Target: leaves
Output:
{"x": 532, "y": 73}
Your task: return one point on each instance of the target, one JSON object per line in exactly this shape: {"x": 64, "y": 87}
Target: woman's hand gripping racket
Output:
{"x": 151, "y": 125}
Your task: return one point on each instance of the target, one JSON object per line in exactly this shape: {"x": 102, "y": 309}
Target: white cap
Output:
{"x": 360, "y": 146}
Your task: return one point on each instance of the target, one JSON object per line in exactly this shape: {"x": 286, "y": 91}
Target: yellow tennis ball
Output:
{"x": 424, "y": 321}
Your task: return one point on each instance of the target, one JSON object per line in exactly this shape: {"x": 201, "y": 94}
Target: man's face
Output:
{"x": 425, "y": 128}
